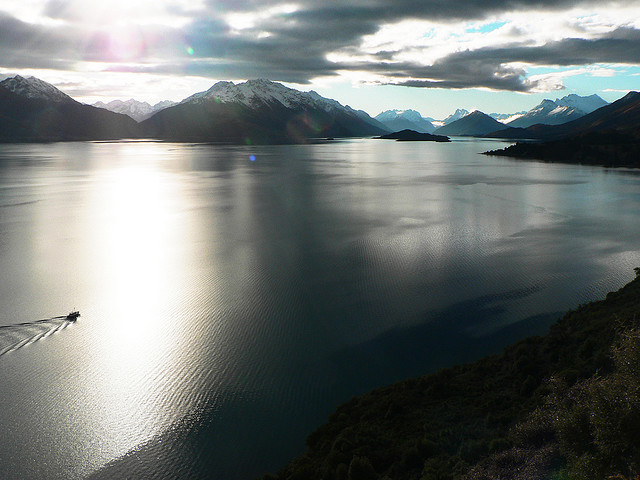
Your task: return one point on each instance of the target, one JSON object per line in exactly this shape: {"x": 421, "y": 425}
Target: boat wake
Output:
{"x": 14, "y": 337}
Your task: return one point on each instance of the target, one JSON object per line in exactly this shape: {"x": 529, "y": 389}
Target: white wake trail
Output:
{"x": 19, "y": 335}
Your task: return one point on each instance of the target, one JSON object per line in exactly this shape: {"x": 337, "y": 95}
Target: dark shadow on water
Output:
{"x": 204, "y": 444}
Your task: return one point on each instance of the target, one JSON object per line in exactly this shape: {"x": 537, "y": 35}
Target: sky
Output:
{"x": 432, "y": 56}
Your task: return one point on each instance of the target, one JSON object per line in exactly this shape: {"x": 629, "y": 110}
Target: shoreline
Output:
{"x": 459, "y": 418}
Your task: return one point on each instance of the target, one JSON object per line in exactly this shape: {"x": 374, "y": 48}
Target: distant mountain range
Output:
{"x": 33, "y": 110}
{"x": 507, "y": 117}
{"x": 258, "y": 111}
{"x": 474, "y": 124}
{"x": 397, "y": 120}
{"x": 139, "y": 111}
{"x": 261, "y": 111}
{"x": 621, "y": 115}
{"x": 455, "y": 116}
{"x": 562, "y": 110}
{"x": 608, "y": 136}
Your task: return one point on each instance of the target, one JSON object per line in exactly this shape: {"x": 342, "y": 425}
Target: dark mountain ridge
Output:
{"x": 474, "y": 124}
{"x": 562, "y": 110}
{"x": 609, "y": 136}
{"x": 259, "y": 111}
{"x": 623, "y": 114}
{"x": 34, "y": 111}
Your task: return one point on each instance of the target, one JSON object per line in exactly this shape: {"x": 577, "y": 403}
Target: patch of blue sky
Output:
{"x": 429, "y": 33}
{"x": 485, "y": 27}
{"x": 609, "y": 88}
{"x": 609, "y": 81}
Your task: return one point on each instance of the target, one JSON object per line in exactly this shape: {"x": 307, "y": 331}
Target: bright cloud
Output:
{"x": 495, "y": 46}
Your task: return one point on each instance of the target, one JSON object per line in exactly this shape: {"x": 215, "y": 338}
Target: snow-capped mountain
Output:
{"x": 585, "y": 104}
{"x": 35, "y": 89}
{"x": 397, "y": 120}
{"x": 137, "y": 110}
{"x": 457, "y": 115}
{"x": 260, "y": 93}
{"x": 507, "y": 117}
{"x": 621, "y": 117}
{"x": 562, "y": 110}
{"x": 260, "y": 111}
{"x": 473, "y": 125}
{"x": 34, "y": 110}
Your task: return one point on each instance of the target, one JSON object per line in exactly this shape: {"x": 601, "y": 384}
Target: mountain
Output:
{"x": 560, "y": 111}
{"x": 259, "y": 111}
{"x": 474, "y": 124}
{"x": 608, "y": 136}
{"x": 35, "y": 89}
{"x": 34, "y": 110}
{"x": 547, "y": 112}
{"x": 396, "y": 120}
{"x": 584, "y": 104}
{"x": 623, "y": 115}
{"x": 457, "y": 115}
{"x": 137, "y": 110}
{"x": 507, "y": 117}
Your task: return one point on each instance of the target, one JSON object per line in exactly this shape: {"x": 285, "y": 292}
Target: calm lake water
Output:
{"x": 232, "y": 297}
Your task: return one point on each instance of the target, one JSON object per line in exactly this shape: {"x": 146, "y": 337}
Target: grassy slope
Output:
{"x": 440, "y": 425}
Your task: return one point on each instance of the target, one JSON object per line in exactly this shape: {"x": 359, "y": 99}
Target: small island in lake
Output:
{"x": 408, "y": 135}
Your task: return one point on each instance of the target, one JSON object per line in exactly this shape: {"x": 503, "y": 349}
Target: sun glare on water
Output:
{"x": 136, "y": 235}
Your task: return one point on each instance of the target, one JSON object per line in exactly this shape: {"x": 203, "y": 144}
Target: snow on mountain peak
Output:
{"x": 457, "y": 115}
{"x": 137, "y": 110}
{"x": 409, "y": 114}
{"x": 260, "y": 92}
{"x": 585, "y": 104}
{"x": 35, "y": 88}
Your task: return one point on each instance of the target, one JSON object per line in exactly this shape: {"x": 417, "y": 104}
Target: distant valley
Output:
{"x": 139, "y": 111}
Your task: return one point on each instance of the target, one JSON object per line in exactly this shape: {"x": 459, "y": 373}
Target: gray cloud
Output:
{"x": 296, "y": 45}
{"x": 488, "y": 67}
{"x": 27, "y": 46}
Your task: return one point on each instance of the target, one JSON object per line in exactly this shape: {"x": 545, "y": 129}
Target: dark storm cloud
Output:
{"x": 297, "y": 48}
{"x": 276, "y": 57}
{"x": 622, "y": 45}
{"x": 382, "y": 11}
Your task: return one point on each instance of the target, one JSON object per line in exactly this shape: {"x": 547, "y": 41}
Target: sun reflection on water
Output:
{"x": 137, "y": 233}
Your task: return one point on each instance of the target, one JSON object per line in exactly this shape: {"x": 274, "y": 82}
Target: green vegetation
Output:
{"x": 565, "y": 405}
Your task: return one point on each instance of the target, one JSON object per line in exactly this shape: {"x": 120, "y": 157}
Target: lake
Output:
{"x": 232, "y": 296}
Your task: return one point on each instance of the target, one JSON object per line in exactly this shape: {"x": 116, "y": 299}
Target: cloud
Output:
{"x": 24, "y": 45}
{"x": 308, "y": 39}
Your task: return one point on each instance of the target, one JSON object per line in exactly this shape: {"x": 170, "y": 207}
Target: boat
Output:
{"x": 73, "y": 316}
